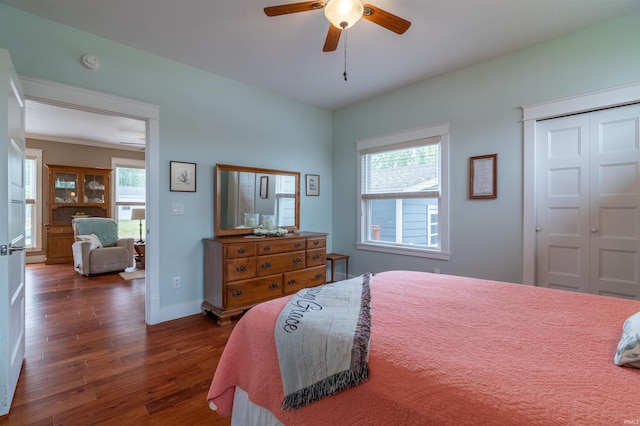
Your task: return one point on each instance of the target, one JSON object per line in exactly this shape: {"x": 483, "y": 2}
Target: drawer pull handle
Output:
{"x": 316, "y": 257}
{"x": 266, "y": 265}
{"x": 241, "y": 250}
{"x": 315, "y": 243}
{"x": 237, "y": 293}
{"x": 297, "y": 245}
{"x": 266, "y": 248}
{"x": 297, "y": 260}
{"x": 242, "y": 268}
{"x": 273, "y": 286}
{"x": 292, "y": 281}
{"x": 318, "y": 276}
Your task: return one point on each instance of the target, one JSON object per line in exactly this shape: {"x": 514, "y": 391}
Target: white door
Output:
{"x": 12, "y": 256}
{"x": 588, "y": 202}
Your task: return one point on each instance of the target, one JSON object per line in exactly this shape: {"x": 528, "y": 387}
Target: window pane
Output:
{"x": 285, "y": 184}
{"x": 30, "y": 178}
{"x": 286, "y": 209}
{"x": 406, "y": 170}
{"x": 130, "y": 185}
{"x": 411, "y": 222}
{"x": 29, "y": 226}
{"x": 30, "y": 192}
{"x": 128, "y": 228}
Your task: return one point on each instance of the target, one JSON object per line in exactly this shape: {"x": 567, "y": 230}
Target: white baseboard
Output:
{"x": 35, "y": 259}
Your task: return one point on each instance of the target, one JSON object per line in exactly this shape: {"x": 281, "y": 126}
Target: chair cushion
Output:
{"x": 105, "y": 228}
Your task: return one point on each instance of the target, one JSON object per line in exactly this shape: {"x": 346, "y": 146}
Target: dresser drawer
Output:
{"x": 252, "y": 291}
{"x": 282, "y": 262}
{"x": 316, "y": 243}
{"x": 311, "y": 277}
{"x": 240, "y": 250}
{"x": 285, "y": 245}
{"x": 316, "y": 257}
{"x": 241, "y": 268}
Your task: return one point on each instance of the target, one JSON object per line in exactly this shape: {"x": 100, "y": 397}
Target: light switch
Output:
{"x": 177, "y": 209}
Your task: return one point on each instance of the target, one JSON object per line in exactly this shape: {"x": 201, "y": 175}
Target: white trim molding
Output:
{"x": 88, "y": 100}
{"x": 605, "y": 98}
{"x": 440, "y": 130}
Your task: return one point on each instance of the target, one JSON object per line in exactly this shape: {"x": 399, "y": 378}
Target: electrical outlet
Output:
{"x": 176, "y": 282}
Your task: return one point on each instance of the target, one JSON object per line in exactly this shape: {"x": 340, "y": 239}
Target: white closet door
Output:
{"x": 615, "y": 201}
{"x": 588, "y": 202}
{"x": 562, "y": 188}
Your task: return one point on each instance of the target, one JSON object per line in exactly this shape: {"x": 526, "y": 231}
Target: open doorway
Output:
{"x": 113, "y": 146}
{"x": 76, "y": 100}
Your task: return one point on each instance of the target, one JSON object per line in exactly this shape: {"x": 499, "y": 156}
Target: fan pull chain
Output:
{"x": 345, "y": 53}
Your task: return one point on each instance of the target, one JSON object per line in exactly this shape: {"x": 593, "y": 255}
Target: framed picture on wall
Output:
{"x": 183, "y": 176}
{"x": 313, "y": 185}
{"x": 483, "y": 173}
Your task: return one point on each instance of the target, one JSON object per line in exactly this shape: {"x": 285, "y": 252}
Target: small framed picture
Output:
{"x": 264, "y": 186}
{"x": 183, "y": 177}
{"x": 313, "y": 185}
{"x": 483, "y": 173}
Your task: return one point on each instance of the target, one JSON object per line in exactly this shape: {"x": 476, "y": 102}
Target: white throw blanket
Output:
{"x": 322, "y": 339}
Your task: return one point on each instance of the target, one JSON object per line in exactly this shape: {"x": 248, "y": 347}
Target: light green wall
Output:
{"x": 204, "y": 119}
{"x": 482, "y": 104}
{"x": 208, "y": 119}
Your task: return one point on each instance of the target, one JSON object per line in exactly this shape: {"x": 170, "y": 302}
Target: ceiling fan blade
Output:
{"x": 284, "y": 9}
{"x": 333, "y": 37}
{"x": 385, "y": 19}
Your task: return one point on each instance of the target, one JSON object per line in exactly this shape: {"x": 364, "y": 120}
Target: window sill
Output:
{"x": 404, "y": 251}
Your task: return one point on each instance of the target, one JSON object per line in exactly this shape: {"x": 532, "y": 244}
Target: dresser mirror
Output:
{"x": 250, "y": 197}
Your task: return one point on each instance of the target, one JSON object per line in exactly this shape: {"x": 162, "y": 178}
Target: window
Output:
{"x": 403, "y": 181}
{"x": 33, "y": 199}
{"x": 130, "y": 192}
{"x": 285, "y": 200}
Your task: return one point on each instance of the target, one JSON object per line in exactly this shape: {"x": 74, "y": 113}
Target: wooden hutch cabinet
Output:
{"x": 73, "y": 191}
{"x": 240, "y": 272}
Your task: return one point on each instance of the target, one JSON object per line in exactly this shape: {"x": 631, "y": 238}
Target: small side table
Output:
{"x": 140, "y": 252}
{"x": 334, "y": 257}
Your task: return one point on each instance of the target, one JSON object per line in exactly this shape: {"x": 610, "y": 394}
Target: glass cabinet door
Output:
{"x": 65, "y": 187}
{"x": 94, "y": 189}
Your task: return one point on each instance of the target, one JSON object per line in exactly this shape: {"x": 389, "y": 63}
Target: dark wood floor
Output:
{"x": 90, "y": 358}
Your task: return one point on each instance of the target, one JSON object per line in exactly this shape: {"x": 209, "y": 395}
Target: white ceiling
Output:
{"x": 283, "y": 55}
{"x": 58, "y": 124}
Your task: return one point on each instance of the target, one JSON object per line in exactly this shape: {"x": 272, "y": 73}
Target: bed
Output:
{"x": 451, "y": 350}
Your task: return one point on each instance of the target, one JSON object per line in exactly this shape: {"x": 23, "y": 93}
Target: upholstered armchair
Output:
{"x": 97, "y": 248}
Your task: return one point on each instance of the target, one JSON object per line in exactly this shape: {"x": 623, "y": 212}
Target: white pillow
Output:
{"x": 628, "y": 353}
{"x": 93, "y": 239}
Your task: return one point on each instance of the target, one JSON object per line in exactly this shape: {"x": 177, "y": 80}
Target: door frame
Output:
{"x": 76, "y": 98}
{"x": 531, "y": 114}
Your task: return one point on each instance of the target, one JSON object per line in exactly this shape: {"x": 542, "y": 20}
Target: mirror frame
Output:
{"x": 219, "y": 168}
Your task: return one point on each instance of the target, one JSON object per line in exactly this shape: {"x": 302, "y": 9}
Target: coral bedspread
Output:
{"x": 454, "y": 350}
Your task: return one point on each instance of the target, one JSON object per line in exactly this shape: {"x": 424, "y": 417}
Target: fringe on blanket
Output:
{"x": 358, "y": 372}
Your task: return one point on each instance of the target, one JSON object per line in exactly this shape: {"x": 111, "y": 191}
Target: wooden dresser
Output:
{"x": 240, "y": 272}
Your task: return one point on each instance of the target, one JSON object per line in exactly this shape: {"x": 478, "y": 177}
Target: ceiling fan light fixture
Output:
{"x": 343, "y": 13}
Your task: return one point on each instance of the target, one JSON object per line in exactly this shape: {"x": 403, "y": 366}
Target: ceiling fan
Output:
{"x": 342, "y": 14}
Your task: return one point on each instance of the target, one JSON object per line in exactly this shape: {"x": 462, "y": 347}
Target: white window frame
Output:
{"x": 281, "y": 195}
{"x": 36, "y": 154}
{"x": 440, "y": 130}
